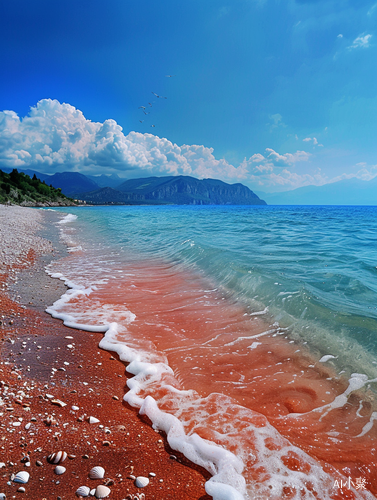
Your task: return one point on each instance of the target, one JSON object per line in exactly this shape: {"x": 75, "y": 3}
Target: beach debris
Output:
{"x": 102, "y": 491}
{"x": 57, "y": 402}
{"x": 141, "y": 482}
{"x": 83, "y": 491}
{"x": 57, "y": 457}
{"x": 59, "y": 470}
{"x": 97, "y": 472}
{"x": 21, "y": 477}
{"x": 93, "y": 420}
{"x": 50, "y": 420}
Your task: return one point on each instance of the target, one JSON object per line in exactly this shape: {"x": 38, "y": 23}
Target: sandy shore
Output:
{"x": 52, "y": 379}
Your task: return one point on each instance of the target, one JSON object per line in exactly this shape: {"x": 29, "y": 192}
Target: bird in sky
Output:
{"x": 153, "y": 125}
{"x": 141, "y": 107}
{"x": 159, "y": 96}
{"x": 169, "y": 76}
{"x": 146, "y": 112}
{"x": 141, "y": 121}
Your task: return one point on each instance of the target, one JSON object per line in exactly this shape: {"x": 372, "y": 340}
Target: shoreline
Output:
{"x": 39, "y": 361}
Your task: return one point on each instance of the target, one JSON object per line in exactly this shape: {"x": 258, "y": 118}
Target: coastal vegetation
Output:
{"x": 18, "y": 188}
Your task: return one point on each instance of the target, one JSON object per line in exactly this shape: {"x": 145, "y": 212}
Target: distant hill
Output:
{"x": 70, "y": 183}
{"x": 345, "y": 192}
{"x": 19, "y": 188}
{"x": 103, "y": 180}
{"x": 179, "y": 190}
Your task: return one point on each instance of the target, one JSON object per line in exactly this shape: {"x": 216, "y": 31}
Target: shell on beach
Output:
{"x": 83, "y": 491}
{"x": 93, "y": 420}
{"x": 97, "y": 472}
{"x": 102, "y": 491}
{"x": 57, "y": 458}
{"x": 2, "y": 496}
{"x": 141, "y": 481}
{"x": 59, "y": 470}
{"x": 21, "y": 477}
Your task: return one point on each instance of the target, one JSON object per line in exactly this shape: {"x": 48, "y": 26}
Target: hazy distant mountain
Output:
{"x": 71, "y": 183}
{"x": 346, "y": 192}
{"x": 179, "y": 190}
{"x": 103, "y": 180}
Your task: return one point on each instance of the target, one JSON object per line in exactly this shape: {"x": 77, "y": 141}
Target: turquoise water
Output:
{"x": 308, "y": 265}
{"x": 263, "y": 320}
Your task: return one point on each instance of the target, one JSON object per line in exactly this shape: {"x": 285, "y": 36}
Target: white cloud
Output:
{"x": 287, "y": 158}
{"x": 364, "y": 173}
{"x": 57, "y": 137}
{"x": 315, "y": 142}
{"x": 276, "y": 121}
{"x": 362, "y": 41}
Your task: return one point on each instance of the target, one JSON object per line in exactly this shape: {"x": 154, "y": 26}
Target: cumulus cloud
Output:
{"x": 362, "y": 41}
{"x": 288, "y": 158}
{"x": 57, "y": 137}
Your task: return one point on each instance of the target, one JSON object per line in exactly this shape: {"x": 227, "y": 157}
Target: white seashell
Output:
{"x": 92, "y": 492}
{"x": 141, "y": 481}
{"x": 27, "y": 426}
{"x": 57, "y": 458}
{"x": 21, "y": 477}
{"x": 75, "y": 408}
{"x": 102, "y": 491}
{"x": 97, "y": 473}
{"x": 21, "y": 489}
{"x": 59, "y": 470}
{"x": 83, "y": 491}
{"x": 2, "y": 496}
{"x": 93, "y": 420}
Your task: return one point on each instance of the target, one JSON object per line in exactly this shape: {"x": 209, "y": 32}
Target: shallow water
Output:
{"x": 255, "y": 327}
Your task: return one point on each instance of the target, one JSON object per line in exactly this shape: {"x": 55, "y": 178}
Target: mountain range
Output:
{"x": 346, "y": 192}
{"x": 181, "y": 190}
{"x": 105, "y": 189}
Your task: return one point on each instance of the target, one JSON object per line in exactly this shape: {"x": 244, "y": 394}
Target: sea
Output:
{"x": 248, "y": 333}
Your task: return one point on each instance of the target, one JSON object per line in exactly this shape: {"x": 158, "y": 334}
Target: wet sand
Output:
{"x": 47, "y": 368}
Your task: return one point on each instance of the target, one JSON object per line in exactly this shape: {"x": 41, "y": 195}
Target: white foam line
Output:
{"x": 259, "y": 313}
{"x": 239, "y": 339}
{"x": 356, "y": 381}
{"x": 215, "y": 459}
{"x": 367, "y": 427}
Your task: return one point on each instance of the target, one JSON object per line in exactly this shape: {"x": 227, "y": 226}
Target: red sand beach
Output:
{"x": 46, "y": 369}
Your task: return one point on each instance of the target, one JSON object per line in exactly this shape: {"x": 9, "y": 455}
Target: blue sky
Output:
{"x": 275, "y": 94}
